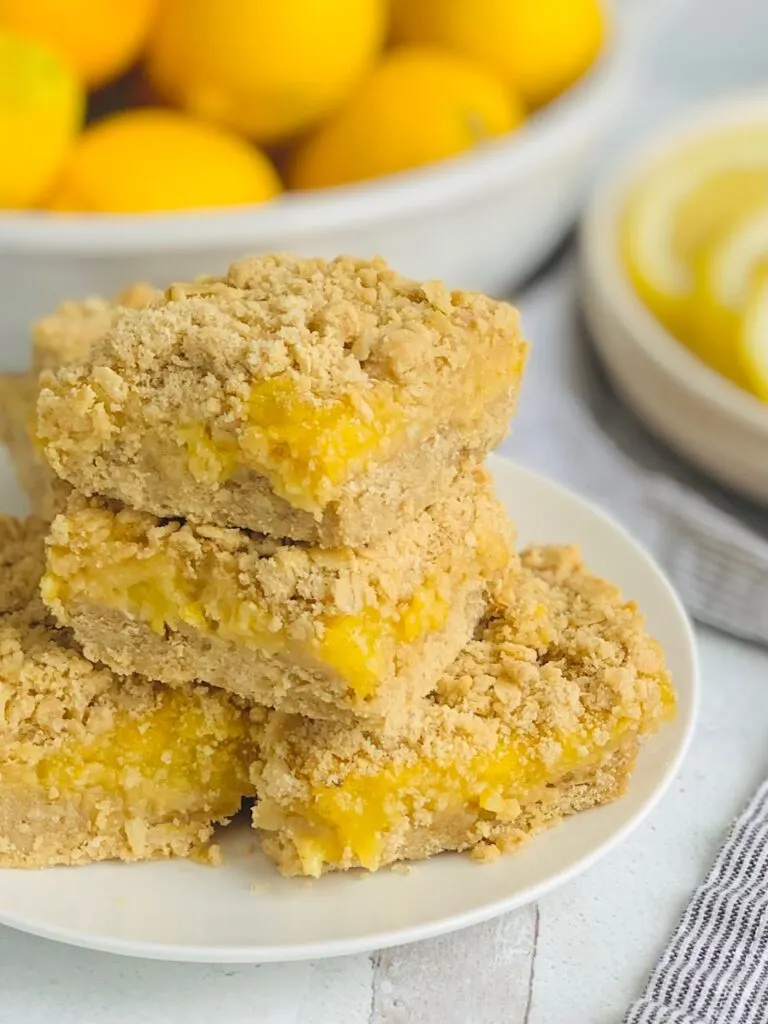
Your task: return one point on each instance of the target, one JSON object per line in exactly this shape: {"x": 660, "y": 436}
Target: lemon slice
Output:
{"x": 682, "y": 204}
{"x": 729, "y": 266}
{"x": 753, "y": 339}
{"x": 725, "y": 271}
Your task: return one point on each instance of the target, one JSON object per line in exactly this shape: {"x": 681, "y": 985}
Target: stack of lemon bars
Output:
{"x": 268, "y": 566}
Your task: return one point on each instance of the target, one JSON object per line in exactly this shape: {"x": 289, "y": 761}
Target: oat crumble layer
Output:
{"x": 324, "y": 632}
{"x": 64, "y": 337}
{"x": 539, "y": 716}
{"x": 320, "y": 401}
{"x": 93, "y": 766}
{"x": 67, "y": 335}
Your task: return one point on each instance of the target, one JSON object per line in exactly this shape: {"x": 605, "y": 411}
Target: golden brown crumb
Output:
{"x": 277, "y": 574}
{"x": 334, "y": 325}
{"x": 94, "y": 767}
{"x": 63, "y": 337}
{"x": 67, "y": 335}
{"x": 22, "y": 561}
{"x": 290, "y": 395}
{"x": 326, "y": 632}
{"x": 210, "y": 855}
{"x": 560, "y": 645}
{"x": 486, "y": 853}
{"x": 47, "y": 493}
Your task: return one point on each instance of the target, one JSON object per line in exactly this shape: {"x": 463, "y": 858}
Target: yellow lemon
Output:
{"x": 98, "y": 38}
{"x": 753, "y": 338}
{"x": 680, "y": 207}
{"x": 724, "y": 273}
{"x": 420, "y": 104}
{"x": 540, "y": 47}
{"x": 267, "y": 68}
{"x": 149, "y": 159}
{"x": 41, "y": 111}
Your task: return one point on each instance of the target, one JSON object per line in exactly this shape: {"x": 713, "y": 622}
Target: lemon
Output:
{"x": 681, "y": 206}
{"x": 753, "y": 339}
{"x": 99, "y": 39}
{"x": 41, "y": 110}
{"x": 266, "y": 68}
{"x": 146, "y": 160}
{"x": 540, "y": 47}
{"x": 724, "y": 272}
{"x": 420, "y": 104}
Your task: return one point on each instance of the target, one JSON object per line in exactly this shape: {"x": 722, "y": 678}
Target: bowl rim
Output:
{"x": 601, "y": 259}
{"x": 493, "y": 164}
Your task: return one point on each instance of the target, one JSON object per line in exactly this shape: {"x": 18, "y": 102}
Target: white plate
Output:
{"x": 243, "y": 912}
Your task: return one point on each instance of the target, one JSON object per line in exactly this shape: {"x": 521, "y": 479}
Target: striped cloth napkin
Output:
{"x": 572, "y": 427}
{"x": 715, "y": 969}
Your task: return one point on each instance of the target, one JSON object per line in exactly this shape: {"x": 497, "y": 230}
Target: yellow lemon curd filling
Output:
{"x": 352, "y": 818}
{"x": 305, "y": 447}
{"x": 309, "y": 447}
{"x": 162, "y": 590}
{"x": 181, "y": 755}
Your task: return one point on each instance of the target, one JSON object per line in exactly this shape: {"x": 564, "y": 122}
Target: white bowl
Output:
{"x": 715, "y": 424}
{"x": 482, "y": 220}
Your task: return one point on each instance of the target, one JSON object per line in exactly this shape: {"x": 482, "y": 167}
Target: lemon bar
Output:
{"x": 323, "y": 632}
{"x": 47, "y": 493}
{"x": 93, "y": 767}
{"x": 69, "y": 333}
{"x": 321, "y": 402}
{"x": 65, "y": 336}
{"x": 540, "y": 716}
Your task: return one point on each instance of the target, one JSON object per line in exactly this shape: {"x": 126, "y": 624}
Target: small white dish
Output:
{"x": 709, "y": 420}
{"x": 244, "y": 912}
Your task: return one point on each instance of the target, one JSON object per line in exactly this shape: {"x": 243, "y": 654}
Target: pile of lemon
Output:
{"x": 226, "y": 91}
{"x": 695, "y": 242}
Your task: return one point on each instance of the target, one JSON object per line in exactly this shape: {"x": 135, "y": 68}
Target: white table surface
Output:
{"x": 581, "y": 954}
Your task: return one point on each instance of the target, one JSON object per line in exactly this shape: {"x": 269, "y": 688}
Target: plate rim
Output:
{"x": 328, "y": 949}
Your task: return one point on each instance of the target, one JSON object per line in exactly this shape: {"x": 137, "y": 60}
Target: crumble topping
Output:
{"x": 330, "y": 323}
{"x": 93, "y": 767}
{"x": 67, "y": 335}
{"x": 465, "y": 529}
{"x": 561, "y": 653}
{"x": 347, "y": 327}
{"x": 49, "y": 693}
{"x": 22, "y": 562}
